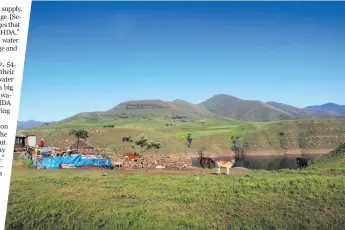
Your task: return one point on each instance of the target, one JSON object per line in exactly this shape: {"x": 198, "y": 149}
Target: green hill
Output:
{"x": 212, "y": 132}
{"x": 220, "y": 106}
{"x": 297, "y": 134}
{"x": 249, "y": 110}
{"x": 145, "y": 109}
{"x": 333, "y": 160}
{"x": 157, "y": 108}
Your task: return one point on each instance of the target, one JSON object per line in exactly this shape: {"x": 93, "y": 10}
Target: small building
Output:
{"x": 22, "y": 140}
{"x": 83, "y": 146}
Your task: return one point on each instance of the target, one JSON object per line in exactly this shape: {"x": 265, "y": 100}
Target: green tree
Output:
{"x": 189, "y": 140}
{"x": 154, "y": 145}
{"x": 126, "y": 139}
{"x": 79, "y": 134}
{"x": 145, "y": 145}
{"x": 235, "y": 144}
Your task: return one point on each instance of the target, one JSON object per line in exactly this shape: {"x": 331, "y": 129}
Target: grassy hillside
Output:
{"x": 228, "y": 106}
{"x": 256, "y": 199}
{"x": 157, "y": 108}
{"x": 209, "y": 131}
{"x": 92, "y": 199}
{"x": 211, "y": 124}
{"x": 212, "y": 132}
{"x": 300, "y": 134}
{"x": 335, "y": 160}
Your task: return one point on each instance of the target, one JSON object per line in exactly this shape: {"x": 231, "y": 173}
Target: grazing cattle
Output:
{"x": 225, "y": 164}
{"x": 132, "y": 156}
{"x": 301, "y": 162}
{"x": 58, "y": 152}
{"x": 208, "y": 161}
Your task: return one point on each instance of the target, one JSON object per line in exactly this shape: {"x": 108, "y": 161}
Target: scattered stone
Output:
{"x": 159, "y": 162}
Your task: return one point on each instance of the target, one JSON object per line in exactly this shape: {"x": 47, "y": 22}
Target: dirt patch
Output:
{"x": 186, "y": 172}
{"x": 90, "y": 168}
{"x": 190, "y": 171}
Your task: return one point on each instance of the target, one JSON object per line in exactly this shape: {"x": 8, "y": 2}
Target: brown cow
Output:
{"x": 132, "y": 156}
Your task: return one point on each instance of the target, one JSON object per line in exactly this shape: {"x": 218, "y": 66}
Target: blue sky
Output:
{"x": 90, "y": 56}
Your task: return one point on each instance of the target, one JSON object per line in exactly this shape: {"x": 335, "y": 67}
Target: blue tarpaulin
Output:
{"x": 74, "y": 161}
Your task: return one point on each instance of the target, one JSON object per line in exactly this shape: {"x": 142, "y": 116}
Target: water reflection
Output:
{"x": 276, "y": 162}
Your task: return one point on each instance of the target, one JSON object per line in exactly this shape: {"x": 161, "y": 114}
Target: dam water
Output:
{"x": 267, "y": 162}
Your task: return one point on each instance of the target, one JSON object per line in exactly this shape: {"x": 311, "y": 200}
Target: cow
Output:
{"x": 224, "y": 164}
{"x": 301, "y": 162}
{"x": 132, "y": 156}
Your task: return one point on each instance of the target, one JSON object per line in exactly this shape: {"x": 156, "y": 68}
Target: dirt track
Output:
{"x": 185, "y": 172}
{"x": 152, "y": 172}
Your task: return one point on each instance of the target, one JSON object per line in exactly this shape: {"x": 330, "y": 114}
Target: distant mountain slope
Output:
{"x": 219, "y": 106}
{"x": 158, "y": 108}
{"x": 229, "y": 106}
{"x": 190, "y": 107}
{"x": 298, "y": 112}
{"x": 340, "y": 109}
{"x": 288, "y": 108}
{"x": 31, "y": 124}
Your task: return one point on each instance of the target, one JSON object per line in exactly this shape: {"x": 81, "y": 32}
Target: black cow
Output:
{"x": 301, "y": 162}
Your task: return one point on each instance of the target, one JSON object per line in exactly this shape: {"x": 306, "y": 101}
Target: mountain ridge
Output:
{"x": 302, "y": 112}
{"x": 219, "y": 105}
{"x": 222, "y": 105}
{"x": 328, "y": 107}
{"x": 31, "y": 124}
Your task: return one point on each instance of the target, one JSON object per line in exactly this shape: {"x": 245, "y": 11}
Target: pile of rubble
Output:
{"x": 174, "y": 162}
{"x": 159, "y": 162}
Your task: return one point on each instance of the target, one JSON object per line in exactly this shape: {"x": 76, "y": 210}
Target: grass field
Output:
{"x": 255, "y": 199}
{"x": 212, "y": 132}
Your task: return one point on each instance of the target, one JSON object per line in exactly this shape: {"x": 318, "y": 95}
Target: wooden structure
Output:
{"x": 82, "y": 146}
{"x": 22, "y": 141}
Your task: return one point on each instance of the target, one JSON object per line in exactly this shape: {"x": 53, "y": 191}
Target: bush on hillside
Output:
{"x": 145, "y": 144}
